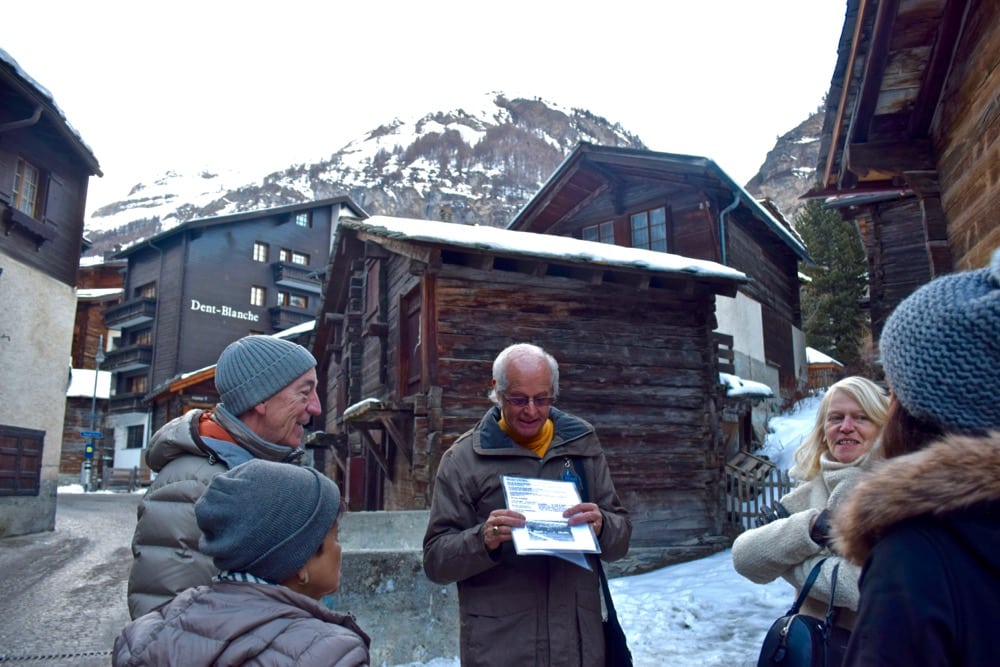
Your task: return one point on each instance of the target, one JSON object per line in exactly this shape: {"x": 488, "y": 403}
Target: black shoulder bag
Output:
{"x": 616, "y": 651}
{"x": 797, "y": 640}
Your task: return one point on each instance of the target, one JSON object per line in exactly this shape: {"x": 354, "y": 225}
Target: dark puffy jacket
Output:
{"x": 165, "y": 549}
{"x": 927, "y": 528}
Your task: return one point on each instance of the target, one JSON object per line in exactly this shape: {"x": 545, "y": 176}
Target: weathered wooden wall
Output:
{"x": 897, "y": 256}
{"x": 640, "y": 364}
{"x": 967, "y": 140}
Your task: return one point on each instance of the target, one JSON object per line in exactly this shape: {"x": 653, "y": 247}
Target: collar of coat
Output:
{"x": 952, "y": 474}
{"x": 492, "y": 439}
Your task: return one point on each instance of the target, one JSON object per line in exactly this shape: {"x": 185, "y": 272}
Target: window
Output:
{"x": 147, "y": 291}
{"x": 603, "y": 233}
{"x": 649, "y": 229}
{"x": 135, "y": 437}
{"x": 144, "y": 337}
{"x": 258, "y": 296}
{"x": 27, "y": 187}
{"x": 373, "y": 292}
{"x": 293, "y": 300}
{"x": 20, "y": 461}
{"x": 410, "y": 357}
{"x": 260, "y": 251}
{"x": 137, "y": 384}
{"x": 286, "y": 255}
{"x": 304, "y": 219}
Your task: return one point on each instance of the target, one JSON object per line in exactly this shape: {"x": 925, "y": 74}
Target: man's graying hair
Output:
{"x": 515, "y": 351}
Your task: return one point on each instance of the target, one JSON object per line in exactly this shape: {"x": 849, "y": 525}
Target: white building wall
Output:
{"x": 116, "y": 426}
{"x": 742, "y": 318}
{"x": 36, "y": 335}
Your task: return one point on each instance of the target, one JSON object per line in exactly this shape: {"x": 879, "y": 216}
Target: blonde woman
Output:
{"x": 840, "y": 447}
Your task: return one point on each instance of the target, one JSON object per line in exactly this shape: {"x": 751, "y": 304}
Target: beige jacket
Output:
{"x": 784, "y": 549}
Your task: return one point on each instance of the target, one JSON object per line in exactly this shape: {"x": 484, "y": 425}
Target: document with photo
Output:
{"x": 546, "y": 530}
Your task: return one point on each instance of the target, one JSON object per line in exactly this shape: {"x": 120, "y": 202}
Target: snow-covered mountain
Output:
{"x": 479, "y": 163}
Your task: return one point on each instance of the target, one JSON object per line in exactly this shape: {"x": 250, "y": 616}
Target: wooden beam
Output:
{"x": 374, "y": 449}
{"x": 397, "y": 437}
{"x": 884, "y": 160}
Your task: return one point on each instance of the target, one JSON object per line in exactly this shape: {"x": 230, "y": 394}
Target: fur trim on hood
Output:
{"x": 951, "y": 474}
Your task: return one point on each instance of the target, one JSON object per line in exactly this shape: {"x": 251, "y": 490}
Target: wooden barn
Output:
{"x": 687, "y": 205}
{"x": 911, "y": 140}
{"x": 415, "y": 311}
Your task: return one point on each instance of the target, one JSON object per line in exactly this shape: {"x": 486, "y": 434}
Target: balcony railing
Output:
{"x": 128, "y": 358}
{"x": 127, "y": 403}
{"x": 130, "y": 313}
{"x": 297, "y": 276}
{"x": 284, "y": 317}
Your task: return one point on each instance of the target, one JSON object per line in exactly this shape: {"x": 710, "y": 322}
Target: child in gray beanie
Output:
{"x": 271, "y": 529}
{"x": 926, "y": 523}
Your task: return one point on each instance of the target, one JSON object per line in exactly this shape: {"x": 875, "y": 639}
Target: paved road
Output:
{"x": 62, "y": 593}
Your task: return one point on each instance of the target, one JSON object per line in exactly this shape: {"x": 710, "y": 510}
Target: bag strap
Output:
{"x": 608, "y": 601}
{"x": 831, "y": 610}
{"x": 810, "y": 580}
{"x": 605, "y": 589}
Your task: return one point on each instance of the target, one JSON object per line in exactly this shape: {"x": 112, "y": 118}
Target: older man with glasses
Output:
{"x": 531, "y": 609}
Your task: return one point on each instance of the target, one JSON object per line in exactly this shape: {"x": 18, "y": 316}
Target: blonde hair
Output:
{"x": 874, "y": 401}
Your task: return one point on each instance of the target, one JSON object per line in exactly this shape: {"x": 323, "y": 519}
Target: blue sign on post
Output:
{"x": 88, "y": 451}
{"x": 92, "y": 434}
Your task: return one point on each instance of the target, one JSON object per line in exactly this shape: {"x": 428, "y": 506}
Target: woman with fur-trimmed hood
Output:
{"x": 841, "y": 446}
{"x": 926, "y": 523}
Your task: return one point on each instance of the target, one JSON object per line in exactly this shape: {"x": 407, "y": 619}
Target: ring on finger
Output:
{"x": 496, "y": 530}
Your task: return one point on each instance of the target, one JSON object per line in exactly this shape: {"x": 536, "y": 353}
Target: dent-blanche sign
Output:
{"x": 224, "y": 311}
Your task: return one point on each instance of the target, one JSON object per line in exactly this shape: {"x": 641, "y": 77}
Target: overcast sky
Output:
{"x": 261, "y": 85}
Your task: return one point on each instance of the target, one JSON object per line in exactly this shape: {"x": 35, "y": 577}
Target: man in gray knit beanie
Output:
{"x": 267, "y": 391}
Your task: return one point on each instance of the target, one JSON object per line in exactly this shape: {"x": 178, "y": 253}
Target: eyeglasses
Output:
{"x": 522, "y": 401}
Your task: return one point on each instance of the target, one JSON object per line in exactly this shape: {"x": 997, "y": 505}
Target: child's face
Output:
{"x": 324, "y": 566}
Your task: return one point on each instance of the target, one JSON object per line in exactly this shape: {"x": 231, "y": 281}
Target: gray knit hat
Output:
{"x": 266, "y": 518}
{"x": 941, "y": 350}
{"x": 255, "y": 368}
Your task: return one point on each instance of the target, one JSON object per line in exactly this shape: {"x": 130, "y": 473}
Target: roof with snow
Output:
{"x": 814, "y": 356}
{"x": 544, "y": 246}
{"x": 81, "y": 383}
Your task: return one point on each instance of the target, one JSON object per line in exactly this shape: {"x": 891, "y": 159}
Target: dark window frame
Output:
{"x": 135, "y": 436}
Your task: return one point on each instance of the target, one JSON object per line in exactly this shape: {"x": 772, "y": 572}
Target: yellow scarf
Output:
{"x": 538, "y": 444}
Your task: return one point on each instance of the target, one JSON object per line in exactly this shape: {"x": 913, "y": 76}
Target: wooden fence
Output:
{"x": 752, "y": 482}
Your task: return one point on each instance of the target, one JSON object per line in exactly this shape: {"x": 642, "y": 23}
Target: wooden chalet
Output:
{"x": 911, "y": 140}
{"x": 45, "y": 169}
{"x": 415, "y": 311}
{"x": 686, "y": 205}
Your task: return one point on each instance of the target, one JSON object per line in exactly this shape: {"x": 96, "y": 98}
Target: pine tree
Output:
{"x": 832, "y": 317}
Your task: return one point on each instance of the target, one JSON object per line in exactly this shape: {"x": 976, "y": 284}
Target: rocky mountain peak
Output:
{"x": 479, "y": 163}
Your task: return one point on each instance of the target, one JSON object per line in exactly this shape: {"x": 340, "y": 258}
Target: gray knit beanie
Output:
{"x": 941, "y": 350}
{"x": 266, "y": 518}
{"x": 255, "y": 368}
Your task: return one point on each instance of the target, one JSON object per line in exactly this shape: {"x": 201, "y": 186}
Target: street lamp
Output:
{"x": 86, "y": 472}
